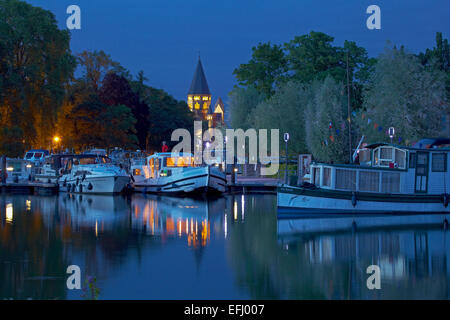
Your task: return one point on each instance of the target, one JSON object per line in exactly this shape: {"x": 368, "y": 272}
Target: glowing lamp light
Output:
{"x": 10, "y": 169}
{"x": 9, "y": 212}
{"x": 56, "y": 139}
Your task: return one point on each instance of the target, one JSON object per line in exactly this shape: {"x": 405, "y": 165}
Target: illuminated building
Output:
{"x": 199, "y": 99}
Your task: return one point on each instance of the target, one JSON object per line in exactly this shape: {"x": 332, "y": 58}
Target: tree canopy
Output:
{"x": 36, "y": 64}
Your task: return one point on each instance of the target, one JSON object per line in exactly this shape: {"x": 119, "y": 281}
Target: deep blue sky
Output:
{"x": 163, "y": 37}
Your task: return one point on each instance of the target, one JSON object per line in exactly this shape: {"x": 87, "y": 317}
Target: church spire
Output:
{"x": 199, "y": 85}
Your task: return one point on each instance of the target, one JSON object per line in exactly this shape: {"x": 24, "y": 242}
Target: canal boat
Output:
{"x": 388, "y": 179}
{"x": 176, "y": 173}
{"x": 92, "y": 173}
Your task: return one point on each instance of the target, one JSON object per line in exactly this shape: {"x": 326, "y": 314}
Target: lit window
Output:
{"x": 196, "y": 98}
{"x": 197, "y": 105}
{"x": 205, "y": 98}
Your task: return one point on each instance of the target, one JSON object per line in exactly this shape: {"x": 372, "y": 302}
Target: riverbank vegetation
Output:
{"x": 320, "y": 92}
{"x": 41, "y": 97}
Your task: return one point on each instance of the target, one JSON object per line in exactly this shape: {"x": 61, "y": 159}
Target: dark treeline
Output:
{"x": 301, "y": 87}
{"x": 40, "y": 97}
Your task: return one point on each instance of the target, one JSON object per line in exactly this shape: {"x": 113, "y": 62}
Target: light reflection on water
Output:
{"x": 153, "y": 247}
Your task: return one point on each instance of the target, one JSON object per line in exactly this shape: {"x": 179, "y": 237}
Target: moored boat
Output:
{"x": 168, "y": 173}
{"x": 388, "y": 179}
{"x": 90, "y": 173}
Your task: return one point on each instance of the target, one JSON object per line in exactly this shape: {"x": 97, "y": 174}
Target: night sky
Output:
{"x": 164, "y": 37}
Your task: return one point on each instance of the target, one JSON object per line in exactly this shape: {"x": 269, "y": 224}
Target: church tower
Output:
{"x": 199, "y": 96}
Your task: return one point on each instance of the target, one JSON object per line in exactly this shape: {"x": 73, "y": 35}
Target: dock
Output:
{"x": 29, "y": 187}
{"x": 246, "y": 185}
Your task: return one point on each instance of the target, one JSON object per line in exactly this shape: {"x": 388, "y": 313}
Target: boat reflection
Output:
{"x": 40, "y": 236}
{"x": 170, "y": 216}
{"x": 412, "y": 252}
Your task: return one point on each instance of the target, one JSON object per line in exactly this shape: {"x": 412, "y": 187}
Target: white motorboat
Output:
{"x": 50, "y": 170}
{"x": 389, "y": 179}
{"x": 90, "y": 173}
{"x": 168, "y": 173}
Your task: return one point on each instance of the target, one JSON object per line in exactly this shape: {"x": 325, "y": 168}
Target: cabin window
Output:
{"x": 400, "y": 158}
{"x": 327, "y": 177}
{"x": 383, "y": 157}
{"x": 390, "y": 157}
{"x": 422, "y": 164}
{"x": 152, "y": 167}
{"x": 180, "y": 162}
{"x": 439, "y": 162}
{"x": 412, "y": 160}
{"x": 316, "y": 176}
{"x": 390, "y": 182}
{"x": 345, "y": 179}
{"x": 369, "y": 181}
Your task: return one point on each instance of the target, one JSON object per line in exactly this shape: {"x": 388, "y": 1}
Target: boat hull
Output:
{"x": 293, "y": 200}
{"x": 95, "y": 185}
{"x": 200, "y": 180}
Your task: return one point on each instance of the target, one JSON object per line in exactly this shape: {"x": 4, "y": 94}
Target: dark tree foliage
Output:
{"x": 36, "y": 65}
{"x": 264, "y": 70}
{"x": 438, "y": 58}
{"x": 116, "y": 90}
{"x": 166, "y": 114}
{"x": 93, "y": 123}
{"x": 304, "y": 59}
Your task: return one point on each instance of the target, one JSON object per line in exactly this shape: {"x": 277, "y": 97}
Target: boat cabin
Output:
{"x": 388, "y": 168}
{"x": 162, "y": 164}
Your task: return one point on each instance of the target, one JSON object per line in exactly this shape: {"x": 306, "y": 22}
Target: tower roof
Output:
{"x": 199, "y": 85}
{"x": 219, "y": 102}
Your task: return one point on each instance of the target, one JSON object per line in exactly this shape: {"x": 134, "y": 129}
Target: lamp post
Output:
{"x": 56, "y": 140}
{"x": 286, "y": 139}
{"x": 391, "y": 133}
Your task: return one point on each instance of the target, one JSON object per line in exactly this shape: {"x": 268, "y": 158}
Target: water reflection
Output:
{"x": 152, "y": 247}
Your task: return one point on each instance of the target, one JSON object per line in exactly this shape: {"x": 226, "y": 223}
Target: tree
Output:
{"x": 438, "y": 58}
{"x": 242, "y": 102}
{"x": 116, "y": 90}
{"x": 285, "y": 111}
{"x": 166, "y": 114}
{"x": 93, "y": 123}
{"x": 96, "y": 65}
{"x": 326, "y": 125}
{"x": 403, "y": 94}
{"x": 264, "y": 70}
{"x": 313, "y": 56}
{"x": 36, "y": 65}
{"x": 11, "y": 141}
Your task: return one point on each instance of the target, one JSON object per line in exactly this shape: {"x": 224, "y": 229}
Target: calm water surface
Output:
{"x": 150, "y": 247}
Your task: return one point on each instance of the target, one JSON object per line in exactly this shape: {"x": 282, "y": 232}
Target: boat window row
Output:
{"x": 357, "y": 180}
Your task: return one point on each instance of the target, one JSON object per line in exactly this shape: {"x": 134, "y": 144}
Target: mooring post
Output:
{"x": 3, "y": 167}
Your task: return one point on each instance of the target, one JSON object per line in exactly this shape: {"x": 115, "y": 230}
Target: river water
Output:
{"x": 153, "y": 247}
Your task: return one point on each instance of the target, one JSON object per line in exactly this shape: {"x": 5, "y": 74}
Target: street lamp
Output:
{"x": 391, "y": 133}
{"x": 286, "y": 139}
{"x": 56, "y": 139}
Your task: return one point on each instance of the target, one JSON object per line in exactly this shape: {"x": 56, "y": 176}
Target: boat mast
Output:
{"x": 349, "y": 112}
